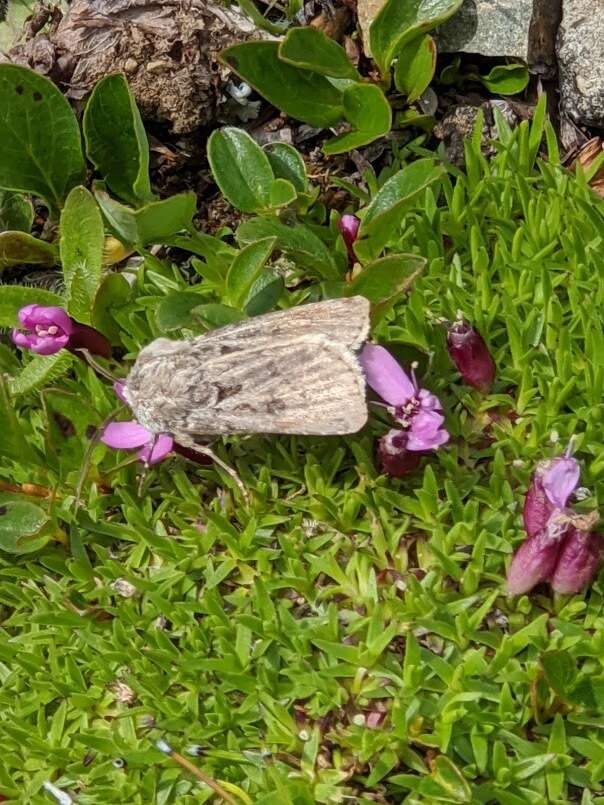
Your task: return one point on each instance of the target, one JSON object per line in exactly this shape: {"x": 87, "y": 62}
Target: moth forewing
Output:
{"x": 292, "y": 371}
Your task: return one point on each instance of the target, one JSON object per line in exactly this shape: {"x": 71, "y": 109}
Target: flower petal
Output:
{"x": 385, "y": 375}
{"x": 30, "y": 315}
{"x": 578, "y": 561}
{"x": 533, "y": 562}
{"x": 118, "y": 387}
{"x": 22, "y": 339}
{"x": 561, "y": 480}
{"x": 125, "y": 435}
{"x": 156, "y": 450}
{"x": 48, "y": 344}
{"x": 426, "y": 432}
{"x": 429, "y": 401}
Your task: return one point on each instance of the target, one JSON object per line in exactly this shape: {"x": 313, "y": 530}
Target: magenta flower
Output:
{"x": 349, "y": 229}
{"x": 559, "y": 546}
{"x": 577, "y": 562}
{"x": 417, "y": 411}
{"x": 552, "y": 484}
{"x": 153, "y": 447}
{"x": 51, "y": 329}
{"x": 470, "y": 354}
{"x": 47, "y": 329}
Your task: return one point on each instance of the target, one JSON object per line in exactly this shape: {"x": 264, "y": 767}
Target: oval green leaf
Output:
{"x": 415, "y": 67}
{"x": 246, "y": 268}
{"x": 81, "y": 245}
{"x": 506, "y": 79}
{"x": 367, "y": 109}
{"x": 287, "y": 163}
{"x": 41, "y": 151}
{"x": 310, "y": 49}
{"x": 20, "y": 522}
{"x": 241, "y": 169}
{"x": 20, "y": 248}
{"x": 401, "y": 21}
{"x": 116, "y": 142}
{"x": 40, "y": 371}
{"x": 387, "y": 278}
{"x": 302, "y": 94}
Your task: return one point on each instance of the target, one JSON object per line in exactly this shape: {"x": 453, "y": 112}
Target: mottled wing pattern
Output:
{"x": 345, "y": 321}
{"x": 301, "y": 377}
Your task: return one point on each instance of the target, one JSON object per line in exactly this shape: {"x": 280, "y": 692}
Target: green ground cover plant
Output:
{"x": 344, "y": 635}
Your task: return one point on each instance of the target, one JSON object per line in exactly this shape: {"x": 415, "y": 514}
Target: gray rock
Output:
{"x": 521, "y": 29}
{"x": 581, "y": 61}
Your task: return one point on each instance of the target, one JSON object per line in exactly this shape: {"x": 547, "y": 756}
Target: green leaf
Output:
{"x": 161, "y": 220}
{"x": 14, "y": 297}
{"x": 399, "y": 22}
{"x": 302, "y": 94}
{"x": 215, "y": 315}
{"x": 296, "y": 241}
{"x": 13, "y": 444}
{"x": 249, "y": 7}
{"x": 264, "y": 293}
{"x": 589, "y": 693}
{"x": 113, "y": 293}
{"x": 40, "y": 371}
{"x": 175, "y": 310}
{"x": 41, "y": 150}
{"x": 367, "y": 109}
{"x": 246, "y": 268}
{"x": 20, "y": 248}
{"x": 241, "y": 169}
{"x": 115, "y": 137}
{"x": 415, "y": 67}
{"x": 82, "y": 240}
{"x": 386, "y": 278}
{"x": 156, "y": 222}
{"x": 560, "y": 671}
{"x": 287, "y": 163}
{"x": 20, "y": 522}
{"x": 384, "y": 213}
{"x": 282, "y": 193}
{"x": 506, "y": 79}
{"x": 310, "y": 49}
{"x": 16, "y": 212}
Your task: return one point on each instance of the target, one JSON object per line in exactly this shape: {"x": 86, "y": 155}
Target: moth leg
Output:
{"x": 204, "y": 450}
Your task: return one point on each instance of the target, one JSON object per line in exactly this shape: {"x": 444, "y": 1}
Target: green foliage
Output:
{"x": 415, "y": 67}
{"x": 81, "y": 244}
{"x": 311, "y": 49}
{"x": 368, "y": 111}
{"x": 41, "y": 150}
{"x": 116, "y": 142}
{"x": 397, "y": 24}
{"x": 17, "y": 248}
{"x": 16, "y": 212}
{"x": 275, "y": 635}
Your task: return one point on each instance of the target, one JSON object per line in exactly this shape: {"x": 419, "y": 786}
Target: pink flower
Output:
{"x": 417, "y": 411}
{"x": 559, "y": 545}
{"x": 552, "y": 484}
{"x": 471, "y": 356}
{"x": 51, "y": 329}
{"x": 535, "y": 560}
{"x": 578, "y": 561}
{"x": 47, "y": 329}
{"x": 154, "y": 447}
{"x": 349, "y": 229}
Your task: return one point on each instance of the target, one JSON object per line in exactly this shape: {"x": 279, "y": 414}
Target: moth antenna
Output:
{"x": 206, "y": 451}
{"x": 96, "y": 365}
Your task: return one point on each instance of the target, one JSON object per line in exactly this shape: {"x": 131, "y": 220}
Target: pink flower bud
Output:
{"x": 536, "y": 558}
{"x": 349, "y": 229}
{"x": 471, "y": 356}
{"x": 393, "y": 456}
{"x": 578, "y": 561}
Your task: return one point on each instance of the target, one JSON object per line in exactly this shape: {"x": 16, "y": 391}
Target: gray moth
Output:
{"x": 291, "y": 371}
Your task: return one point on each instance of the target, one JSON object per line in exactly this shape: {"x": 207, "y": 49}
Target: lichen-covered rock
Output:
{"x": 167, "y": 50}
{"x": 580, "y": 49}
{"x": 522, "y": 29}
